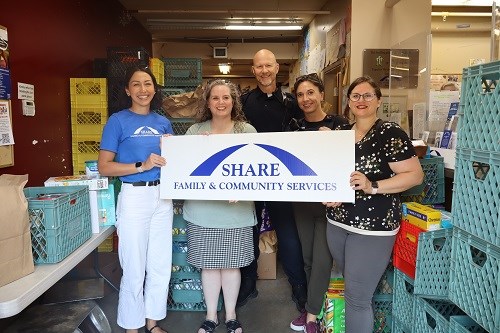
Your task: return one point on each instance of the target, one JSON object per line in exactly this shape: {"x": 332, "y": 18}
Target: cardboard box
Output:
{"x": 266, "y": 266}
{"x": 94, "y": 184}
{"x": 101, "y": 196}
{"x": 422, "y": 216}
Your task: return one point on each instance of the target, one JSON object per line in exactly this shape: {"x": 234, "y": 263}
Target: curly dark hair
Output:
{"x": 237, "y": 114}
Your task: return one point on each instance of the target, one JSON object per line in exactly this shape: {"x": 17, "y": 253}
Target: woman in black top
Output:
{"x": 310, "y": 216}
{"x": 361, "y": 234}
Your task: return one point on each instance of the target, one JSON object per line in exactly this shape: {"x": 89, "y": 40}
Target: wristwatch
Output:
{"x": 374, "y": 187}
{"x": 138, "y": 166}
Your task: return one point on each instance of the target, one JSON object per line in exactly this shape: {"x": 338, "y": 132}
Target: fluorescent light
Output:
{"x": 462, "y": 14}
{"x": 263, "y": 27}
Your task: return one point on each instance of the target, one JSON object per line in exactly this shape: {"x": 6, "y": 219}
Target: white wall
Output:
{"x": 451, "y": 52}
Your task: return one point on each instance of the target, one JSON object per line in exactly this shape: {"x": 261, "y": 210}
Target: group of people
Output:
{"x": 223, "y": 235}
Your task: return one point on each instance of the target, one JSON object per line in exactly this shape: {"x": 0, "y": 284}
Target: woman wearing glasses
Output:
{"x": 361, "y": 235}
{"x": 310, "y": 216}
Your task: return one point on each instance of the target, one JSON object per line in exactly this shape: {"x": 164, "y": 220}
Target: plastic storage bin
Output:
{"x": 476, "y": 203}
{"x": 88, "y": 92}
{"x": 182, "y": 72}
{"x": 60, "y": 221}
{"x": 480, "y": 108}
{"x": 464, "y": 324}
{"x": 431, "y": 191}
{"x": 434, "y": 316}
{"x": 404, "y": 299}
{"x": 474, "y": 279}
{"x": 432, "y": 275}
{"x": 405, "y": 248}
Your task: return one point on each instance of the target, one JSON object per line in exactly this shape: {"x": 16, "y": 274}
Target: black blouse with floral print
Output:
{"x": 372, "y": 214}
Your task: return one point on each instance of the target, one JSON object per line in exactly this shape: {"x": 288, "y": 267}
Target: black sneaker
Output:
{"x": 248, "y": 290}
{"x": 299, "y": 296}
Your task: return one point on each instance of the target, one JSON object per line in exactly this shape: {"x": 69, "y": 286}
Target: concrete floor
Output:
{"x": 271, "y": 311}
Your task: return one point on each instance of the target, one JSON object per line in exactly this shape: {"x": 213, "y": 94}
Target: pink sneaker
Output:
{"x": 311, "y": 327}
{"x": 298, "y": 323}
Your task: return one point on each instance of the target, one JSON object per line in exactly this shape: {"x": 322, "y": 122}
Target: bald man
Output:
{"x": 268, "y": 109}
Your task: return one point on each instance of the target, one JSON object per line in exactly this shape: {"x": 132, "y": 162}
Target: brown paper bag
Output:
{"x": 183, "y": 105}
{"x": 16, "y": 259}
{"x": 268, "y": 243}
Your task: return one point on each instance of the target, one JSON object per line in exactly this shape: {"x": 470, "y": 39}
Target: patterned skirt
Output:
{"x": 218, "y": 248}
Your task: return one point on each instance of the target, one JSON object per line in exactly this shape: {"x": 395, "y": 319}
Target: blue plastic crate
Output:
{"x": 480, "y": 108}
{"x": 432, "y": 276}
{"x": 474, "y": 279}
{"x": 60, "y": 221}
{"x": 431, "y": 191}
{"x": 386, "y": 283}
{"x": 399, "y": 327}
{"x": 464, "y": 324}
{"x": 179, "y": 253}
{"x": 182, "y": 72}
{"x": 433, "y": 316}
{"x": 403, "y": 299}
{"x": 382, "y": 313}
{"x": 476, "y": 199}
{"x": 186, "y": 294}
{"x": 179, "y": 228}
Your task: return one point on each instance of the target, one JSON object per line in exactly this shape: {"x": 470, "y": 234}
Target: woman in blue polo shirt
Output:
{"x": 130, "y": 149}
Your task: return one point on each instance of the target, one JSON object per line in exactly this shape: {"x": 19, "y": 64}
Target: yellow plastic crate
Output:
{"x": 158, "y": 69}
{"x": 88, "y": 121}
{"x": 84, "y": 148}
{"x": 88, "y": 92}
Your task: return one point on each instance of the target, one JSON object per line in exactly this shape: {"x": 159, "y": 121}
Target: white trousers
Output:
{"x": 144, "y": 226}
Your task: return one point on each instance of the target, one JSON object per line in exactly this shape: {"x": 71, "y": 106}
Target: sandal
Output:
{"x": 209, "y": 326}
{"x": 232, "y": 325}
{"x": 152, "y": 328}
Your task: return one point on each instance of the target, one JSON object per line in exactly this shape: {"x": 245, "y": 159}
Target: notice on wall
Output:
{"x": 5, "y": 83}
{"x": 6, "y": 136}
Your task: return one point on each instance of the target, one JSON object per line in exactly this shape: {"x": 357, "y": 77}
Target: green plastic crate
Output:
{"x": 59, "y": 225}
{"x": 431, "y": 191}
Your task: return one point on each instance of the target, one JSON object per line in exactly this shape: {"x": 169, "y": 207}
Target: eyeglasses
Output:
{"x": 367, "y": 97}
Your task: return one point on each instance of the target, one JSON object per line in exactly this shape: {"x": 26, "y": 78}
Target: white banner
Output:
{"x": 290, "y": 166}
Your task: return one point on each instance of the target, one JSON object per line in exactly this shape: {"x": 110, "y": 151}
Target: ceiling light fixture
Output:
{"x": 263, "y": 27}
{"x": 224, "y": 68}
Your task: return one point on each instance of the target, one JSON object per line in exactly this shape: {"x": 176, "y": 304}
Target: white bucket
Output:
{"x": 91, "y": 169}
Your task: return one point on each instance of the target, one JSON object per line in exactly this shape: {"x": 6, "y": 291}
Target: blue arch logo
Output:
{"x": 294, "y": 164}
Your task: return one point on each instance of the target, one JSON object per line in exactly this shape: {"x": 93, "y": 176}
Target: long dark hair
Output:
{"x": 358, "y": 81}
{"x": 125, "y": 101}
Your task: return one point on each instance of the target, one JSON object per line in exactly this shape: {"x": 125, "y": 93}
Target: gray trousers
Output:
{"x": 310, "y": 218}
{"x": 362, "y": 259}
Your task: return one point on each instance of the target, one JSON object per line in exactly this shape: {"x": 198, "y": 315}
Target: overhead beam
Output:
{"x": 229, "y": 11}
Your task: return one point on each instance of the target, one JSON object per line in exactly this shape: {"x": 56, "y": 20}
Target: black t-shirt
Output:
{"x": 330, "y": 121}
{"x": 270, "y": 113}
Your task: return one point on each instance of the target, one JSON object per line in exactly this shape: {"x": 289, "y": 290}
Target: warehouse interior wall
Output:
{"x": 60, "y": 41}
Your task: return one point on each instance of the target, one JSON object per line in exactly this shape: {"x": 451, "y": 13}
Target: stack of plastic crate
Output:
{"x": 118, "y": 60}
{"x": 185, "y": 289}
{"x": 89, "y": 113}
{"x": 383, "y": 301}
{"x": 431, "y": 191}
{"x": 475, "y": 261}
